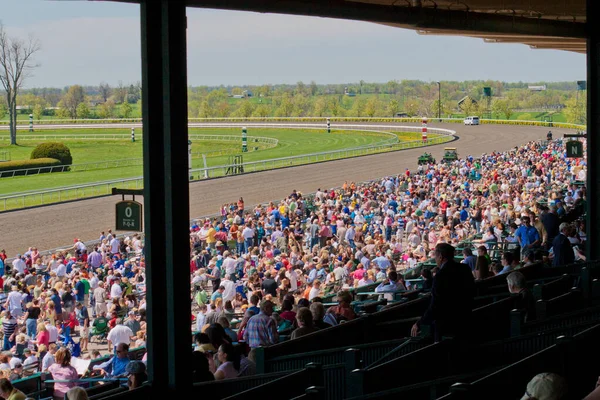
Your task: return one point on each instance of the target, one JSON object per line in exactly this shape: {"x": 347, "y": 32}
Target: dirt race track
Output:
{"x": 55, "y": 226}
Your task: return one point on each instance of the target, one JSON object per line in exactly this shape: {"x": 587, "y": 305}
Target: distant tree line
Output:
{"x": 362, "y": 99}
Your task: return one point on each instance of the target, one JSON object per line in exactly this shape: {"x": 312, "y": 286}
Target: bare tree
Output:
{"x": 16, "y": 64}
{"x": 105, "y": 91}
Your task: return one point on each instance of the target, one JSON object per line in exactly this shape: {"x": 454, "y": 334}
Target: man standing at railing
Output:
{"x": 452, "y": 295}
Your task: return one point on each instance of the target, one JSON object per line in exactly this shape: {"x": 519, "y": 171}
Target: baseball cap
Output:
{"x": 135, "y": 367}
{"x": 546, "y": 386}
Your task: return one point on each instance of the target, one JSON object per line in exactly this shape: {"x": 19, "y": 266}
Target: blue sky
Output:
{"x": 88, "y": 42}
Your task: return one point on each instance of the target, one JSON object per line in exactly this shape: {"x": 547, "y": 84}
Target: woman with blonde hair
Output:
{"x": 62, "y": 371}
{"x": 43, "y": 336}
{"x": 51, "y": 312}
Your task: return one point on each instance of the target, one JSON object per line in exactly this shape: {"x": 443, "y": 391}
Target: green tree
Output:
{"x": 106, "y": 109}
{"x": 205, "y": 110}
{"x": 393, "y": 107}
{"x": 358, "y": 108}
{"x": 62, "y": 113}
{"x": 236, "y": 91}
{"x": 336, "y": 108}
{"x": 3, "y": 109}
{"x": 223, "y": 109}
{"x": 319, "y": 107}
{"x": 371, "y": 107}
{"x": 245, "y": 109}
{"x": 468, "y": 106}
{"x": 72, "y": 99}
{"x": 264, "y": 90}
{"x": 392, "y": 87}
{"x": 301, "y": 106}
{"x": 38, "y": 111}
{"x": 575, "y": 111}
{"x": 286, "y": 107}
{"x": 126, "y": 110}
{"x": 503, "y": 106}
{"x": 262, "y": 111}
{"x": 411, "y": 107}
{"x": 83, "y": 111}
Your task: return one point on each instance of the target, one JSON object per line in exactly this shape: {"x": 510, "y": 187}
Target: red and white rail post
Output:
{"x": 424, "y": 129}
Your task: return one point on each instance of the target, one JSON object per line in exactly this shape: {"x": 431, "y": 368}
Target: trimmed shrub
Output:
{"x": 54, "y": 150}
{"x": 24, "y": 164}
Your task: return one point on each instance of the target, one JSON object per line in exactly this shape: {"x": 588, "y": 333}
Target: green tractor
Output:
{"x": 450, "y": 154}
{"x": 426, "y": 159}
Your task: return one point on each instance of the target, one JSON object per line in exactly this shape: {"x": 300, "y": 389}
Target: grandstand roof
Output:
{"x": 541, "y": 24}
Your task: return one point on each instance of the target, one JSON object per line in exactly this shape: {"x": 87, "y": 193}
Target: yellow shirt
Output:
{"x": 210, "y": 236}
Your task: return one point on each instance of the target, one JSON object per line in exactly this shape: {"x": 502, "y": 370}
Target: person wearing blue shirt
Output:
{"x": 117, "y": 365}
{"x": 312, "y": 275}
{"x": 464, "y": 215}
{"x": 394, "y": 205}
{"x": 469, "y": 258}
{"x": 57, "y": 302}
{"x": 285, "y": 221}
{"x": 392, "y": 284}
{"x": 382, "y": 261}
{"x": 527, "y": 236}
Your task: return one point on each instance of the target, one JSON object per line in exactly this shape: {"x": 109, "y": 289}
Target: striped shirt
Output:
{"x": 261, "y": 331}
{"x": 9, "y": 325}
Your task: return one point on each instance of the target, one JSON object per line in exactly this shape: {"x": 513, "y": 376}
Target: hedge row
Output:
{"x": 24, "y": 164}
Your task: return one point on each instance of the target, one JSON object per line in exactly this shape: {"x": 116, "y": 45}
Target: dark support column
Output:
{"x": 593, "y": 133}
{"x": 166, "y": 193}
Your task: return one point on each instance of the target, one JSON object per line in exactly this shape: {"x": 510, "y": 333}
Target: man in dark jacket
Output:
{"x": 452, "y": 294}
{"x": 561, "y": 247}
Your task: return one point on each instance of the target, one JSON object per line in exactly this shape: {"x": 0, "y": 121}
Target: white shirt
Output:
{"x": 229, "y": 265}
{"x": 120, "y": 334}
{"x": 314, "y": 292}
{"x": 116, "y": 292}
{"x": 19, "y": 265}
{"x": 52, "y": 333}
{"x": 200, "y": 318}
{"x": 14, "y": 301}
{"x": 61, "y": 270}
{"x": 292, "y": 275}
{"x": 248, "y": 233}
{"x": 94, "y": 282}
{"x": 229, "y": 292}
{"x": 114, "y": 246}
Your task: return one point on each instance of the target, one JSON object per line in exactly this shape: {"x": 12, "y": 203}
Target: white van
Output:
{"x": 471, "y": 121}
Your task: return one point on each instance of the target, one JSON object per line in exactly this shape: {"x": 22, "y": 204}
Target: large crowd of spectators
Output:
{"x": 259, "y": 274}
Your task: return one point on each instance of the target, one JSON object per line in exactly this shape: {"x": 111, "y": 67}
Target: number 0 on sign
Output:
{"x": 129, "y": 216}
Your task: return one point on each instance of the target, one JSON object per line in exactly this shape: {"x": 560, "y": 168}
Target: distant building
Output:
{"x": 461, "y": 101}
{"x": 537, "y": 88}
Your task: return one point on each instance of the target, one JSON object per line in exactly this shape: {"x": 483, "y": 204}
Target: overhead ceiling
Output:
{"x": 541, "y": 24}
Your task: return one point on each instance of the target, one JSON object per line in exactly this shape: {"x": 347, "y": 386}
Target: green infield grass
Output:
{"x": 292, "y": 142}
